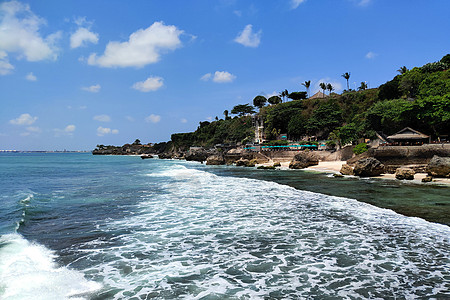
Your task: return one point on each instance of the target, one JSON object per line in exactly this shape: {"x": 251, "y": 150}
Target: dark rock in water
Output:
{"x": 165, "y": 156}
{"x": 303, "y": 160}
{"x": 197, "y": 155}
{"x": 266, "y": 168}
{"x": 246, "y": 162}
{"x": 277, "y": 164}
{"x": 346, "y": 170}
{"x": 145, "y": 156}
{"x": 368, "y": 167}
{"x": 439, "y": 166}
{"x": 427, "y": 179}
{"x": 338, "y": 175}
{"x": 216, "y": 159}
{"x": 404, "y": 173}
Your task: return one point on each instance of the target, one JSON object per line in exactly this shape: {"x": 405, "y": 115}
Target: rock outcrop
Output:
{"x": 246, "y": 162}
{"x": 439, "y": 166}
{"x": 196, "y": 155}
{"x": 215, "y": 159}
{"x": 404, "y": 174}
{"x": 368, "y": 167}
{"x": 346, "y": 170}
{"x": 303, "y": 160}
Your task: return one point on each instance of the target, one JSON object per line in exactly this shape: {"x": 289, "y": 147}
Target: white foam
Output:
{"x": 28, "y": 271}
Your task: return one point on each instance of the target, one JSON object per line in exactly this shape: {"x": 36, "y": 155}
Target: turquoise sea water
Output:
{"x": 77, "y": 226}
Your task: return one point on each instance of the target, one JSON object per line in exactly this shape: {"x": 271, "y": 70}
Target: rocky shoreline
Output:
{"x": 400, "y": 162}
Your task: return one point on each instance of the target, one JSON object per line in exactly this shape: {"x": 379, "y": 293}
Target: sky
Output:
{"x": 77, "y": 73}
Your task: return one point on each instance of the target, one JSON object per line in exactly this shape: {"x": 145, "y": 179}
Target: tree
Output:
{"x": 307, "y": 84}
{"x": 346, "y": 75}
{"x": 259, "y": 101}
{"x": 297, "y": 95}
{"x": 225, "y": 113}
{"x": 323, "y": 86}
{"x": 137, "y": 142}
{"x": 446, "y": 59}
{"x": 330, "y": 88}
{"x": 284, "y": 94}
{"x": 242, "y": 110}
{"x": 403, "y": 70}
{"x": 274, "y": 100}
{"x": 363, "y": 86}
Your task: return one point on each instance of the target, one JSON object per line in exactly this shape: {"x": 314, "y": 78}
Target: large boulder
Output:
{"x": 303, "y": 160}
{"x": 404, "y": 173}
{"x": 216, "y": 159}
{"x": 197, "y": 155}
{"x": 368, "y": 167}
{"x": 346, "y": 170}
{"x": 439, "y": 166}
{"x": 246, "y": 162}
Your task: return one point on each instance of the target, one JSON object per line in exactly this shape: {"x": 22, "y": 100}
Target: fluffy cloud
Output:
{"x": 101, "y": 131}
{"x": 183, "y": 120}
{"x": 150, "y": 84}
{"x": 24, "y": 119}
{"x": 296, "y": 3}
{"x": 30, "y": 76}
{"x": 153, "y": 119}
{"x": 370, "y": 55}
{"x": 93, "y": 88}
{"x": 67, "y": 131}
{"x": 102, "y": 118}
{"x": 5, "y": 66}
{"x": 81, "y": 37}
{"x": 248, "y": 38}
{"x": 19, "y": 33}
{"x": 219, "y": 77}
{"x": 70, "y": 128}
{"x": 142, "y": 48}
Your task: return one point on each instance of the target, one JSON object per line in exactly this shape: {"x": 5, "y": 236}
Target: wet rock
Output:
{"x": 303, "y": 160}
{"x": 368, "y": 167}
{"x": 216, "y": 159}
{"x": 196, "y": 155}
{"x": 338, "y": 175}
{"x": 404, "y": 174}
{"x": 439, "y": 166}
{"x": 427, "y": 179}
{"x": 346, "y": 170}
{"x": 246, "y": 162}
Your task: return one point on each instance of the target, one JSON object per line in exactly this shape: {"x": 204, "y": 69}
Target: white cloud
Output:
{"x": 371, "y": 55}
{"x": 248, "y": 38}
{"x": 102, "y": 118}
{"x": 219, "y": 77}
{"x": 296, "y": 3}
{"x": 24, "y": 119}
{"x": 34, "y": 129}
{"x": 30, "y": 76}
{"x": 150, "y": 84}
{"x": 101, "y": 131}
{"x": 206, "y": 77}
{"x": 93, "y": 88}
{"x": 5, "y": 66}
{"x": 19, "y": 33}
{"x": 183, "y": 120}
{"x": 153, "y": 119}
{"x": 222, "y": 76}
{"x": 364, "y": 2}
{"x": 70, "y": 128}
{"x": 81, "y": 37}
{"x": 129, "y": 118}
{"x": 143, "y": 47}
{"x": 238, "y": 13}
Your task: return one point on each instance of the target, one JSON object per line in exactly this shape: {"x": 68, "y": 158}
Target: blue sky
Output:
{"x": 74, "y": 74}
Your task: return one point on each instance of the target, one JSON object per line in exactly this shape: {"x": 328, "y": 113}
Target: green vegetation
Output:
{"x": 360, "y": 148}
{"x": 418, "y": 98}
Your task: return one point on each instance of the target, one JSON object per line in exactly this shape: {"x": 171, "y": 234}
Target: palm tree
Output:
{"x": 307, "y": 84}
{"x": 284, "y": 94}
{"x": 330, "y": 88}
{"x": 403, "y": 70}
{"x": 346, "y": 75}
{"x": 363, "y": 86}
{"x": 323, "y": 86}
{"x": 225, "y": 113}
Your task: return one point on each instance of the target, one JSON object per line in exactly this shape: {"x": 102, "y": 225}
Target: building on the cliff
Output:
{"x": 258, "y": 124}
{"x": 319, "y": 94}
{"x": 408, "y": 136}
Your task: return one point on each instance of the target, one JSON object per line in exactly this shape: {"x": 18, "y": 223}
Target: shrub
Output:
{"x": 360, "y": 148}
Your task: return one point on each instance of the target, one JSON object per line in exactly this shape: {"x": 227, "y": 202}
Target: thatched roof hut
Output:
{"x": 409, "y": 135}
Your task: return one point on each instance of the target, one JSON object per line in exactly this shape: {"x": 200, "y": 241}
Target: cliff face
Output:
{"x": 409, "y": 155}
{"x": 127, "y": 149}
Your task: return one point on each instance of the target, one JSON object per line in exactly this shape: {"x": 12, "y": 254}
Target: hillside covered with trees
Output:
{"x": 418, "y": 98}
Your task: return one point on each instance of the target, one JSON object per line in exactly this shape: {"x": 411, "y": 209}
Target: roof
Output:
{"x": 408, "y": 133}
{"x": 319, "y": 94}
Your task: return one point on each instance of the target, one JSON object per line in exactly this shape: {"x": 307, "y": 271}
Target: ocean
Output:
{"x": 78, "y": 226}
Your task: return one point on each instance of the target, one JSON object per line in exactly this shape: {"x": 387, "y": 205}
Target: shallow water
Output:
{"x": 90, "y": 227}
